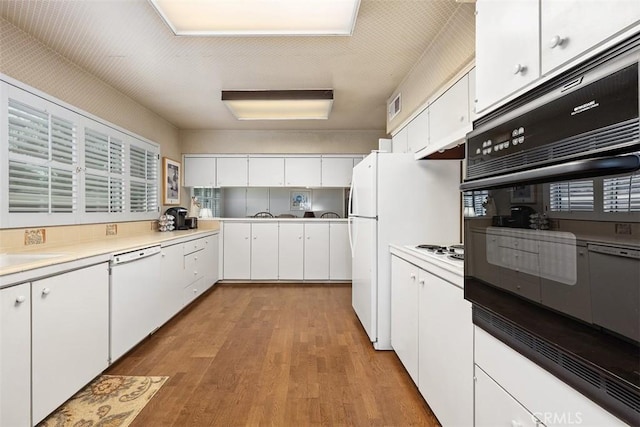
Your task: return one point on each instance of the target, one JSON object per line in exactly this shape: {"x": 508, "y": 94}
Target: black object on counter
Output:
{"x": 309, "y": 214}
{"x": 180, "y": 217}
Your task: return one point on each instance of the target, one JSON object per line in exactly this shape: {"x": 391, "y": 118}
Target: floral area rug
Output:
{"x": 110, "y": 400}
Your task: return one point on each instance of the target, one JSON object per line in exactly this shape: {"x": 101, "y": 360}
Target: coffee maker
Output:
{"x": 180, "y": 217}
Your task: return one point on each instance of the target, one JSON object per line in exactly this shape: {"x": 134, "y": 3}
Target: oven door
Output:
{"x": 529, "y": 234}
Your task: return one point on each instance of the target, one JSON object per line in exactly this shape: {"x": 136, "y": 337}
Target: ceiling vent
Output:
{"x": 395, "y": 106}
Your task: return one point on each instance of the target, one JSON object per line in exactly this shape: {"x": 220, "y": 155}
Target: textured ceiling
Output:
{"x": 127, "y": 45}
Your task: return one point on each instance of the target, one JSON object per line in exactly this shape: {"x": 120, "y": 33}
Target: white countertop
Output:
{"x": 252, "y": 219}
{"x": 439, "y": 265}
{"x": 26, "y": 265}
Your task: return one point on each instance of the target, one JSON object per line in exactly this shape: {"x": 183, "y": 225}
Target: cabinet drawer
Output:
{"x": 194, "y": 266}
{"x": 193, "y": 246}
{"x": 193, "y": 291}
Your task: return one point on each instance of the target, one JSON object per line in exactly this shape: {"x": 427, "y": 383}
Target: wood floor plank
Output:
{"x": 272, "y": 354}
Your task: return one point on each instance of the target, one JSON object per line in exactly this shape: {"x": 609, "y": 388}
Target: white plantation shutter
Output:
{"x": 42, "y": 161}
{"x": 622, "y": 193}
{"x": 104, "y": 189}
{"x": 475, "y": 199}
{"x": 572, "y": 196}
{"x": 143, "y": 178}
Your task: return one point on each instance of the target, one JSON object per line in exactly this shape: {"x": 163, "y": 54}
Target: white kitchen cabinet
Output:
{"x": 316, "y": 251}
{"x": 357, "y": 160}
{"x": 399, "y": 142}
{"x": 564, "y": 34}
{"x": 264, "y": 251}
{"x": 70, "y": 335}
{"x": 257, "y": 200}
{"x": 472, "y": 95}
{"x": 232, "y": 171}
{"x": 291, "y": 251}
{"x": 210, "y": 258}
{"x": 445, "y": 367}
{"x": 449, "y": 116}
{"x": 339, "y": 252}
{"x": 507, "y": 48}
{"x": 303, "y": 171}
{"x": 266, "y": 171}
{"x": 337, "y": 171}
{"x": 237, "y": 250}
{"x": 418, "y": 131}
{"x": 172, "y": 280}
{"x": 199, "y": 171}
{"x": 495, "y": 407}
{"x": 404, "y": 314}
{"x": 15, "y": 356}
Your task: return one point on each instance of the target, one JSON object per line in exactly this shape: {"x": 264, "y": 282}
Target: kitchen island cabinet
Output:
{"x": 291, "y": 251}
{"x": 339, "y": 252}
{"x": 70, "y": 335}
{"x": 316, "y": 251}
{"x": 264, "y": 251}
{"x": 15, "y": 355}
{"x": 237, "y": 250}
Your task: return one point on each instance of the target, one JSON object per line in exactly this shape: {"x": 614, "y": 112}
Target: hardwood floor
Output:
{"x": 281, "y": 355}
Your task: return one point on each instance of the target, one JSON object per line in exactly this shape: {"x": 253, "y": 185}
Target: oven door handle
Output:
{"x": 565, "y": 171}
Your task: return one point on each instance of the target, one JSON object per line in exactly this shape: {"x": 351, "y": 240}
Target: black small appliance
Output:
{"x": 520, "y": 216}
{"x": 180, "y": 217}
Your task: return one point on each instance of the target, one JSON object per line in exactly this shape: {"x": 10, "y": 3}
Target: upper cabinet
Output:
{"x": 418, "y": 132}
{"x": 337, "y": 171}
{"x": 232, "y": 171}
{"x": 266, "y": 171}
{"x": 303, "y": 171}
{"x": 399, "y": 141}
{"x": 565, "y": 33}
{"x": 519, "y": 44}
{"x": 449, "y": 116}
{"x": 199, "y": 171}
{"x": 507, "y": 53}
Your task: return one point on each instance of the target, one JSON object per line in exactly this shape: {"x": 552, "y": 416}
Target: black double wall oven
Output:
{"x": 552, "y": 227}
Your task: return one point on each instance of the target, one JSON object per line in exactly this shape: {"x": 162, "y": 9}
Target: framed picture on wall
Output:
{"x": 523, "y": 194}
{"x": 170, "y": 181}
{"x": 300, "y": 200}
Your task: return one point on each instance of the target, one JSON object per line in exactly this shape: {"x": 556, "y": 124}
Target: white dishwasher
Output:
{"x": 134, "y": 276}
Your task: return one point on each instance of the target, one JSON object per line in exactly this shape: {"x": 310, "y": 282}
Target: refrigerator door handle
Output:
{"x": 350, "y": 210}
{"x": 349, "y": 222}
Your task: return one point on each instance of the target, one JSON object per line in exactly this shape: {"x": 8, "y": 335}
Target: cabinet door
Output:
{"x": 399, "y": 142}
{"x": 472, "y": 95}
{"x": 449, "y": 116}
{"x": 495, "y": 407}
{"x": 264, "y": 251}
{"x": 237, "y": 250}
{"x": 199, "y": 171}
{"x": 15, "y": 355}
{"x": 507, "y": 48}
{"x": 172, "y": 280}
{"x": 446, "y": 350}
{"x": 339, "y": 252}
{"x": 418, "y": 132}
{"x": 337, "y": 171}
{"x": 404, "y": 314}
{"x": 303, "y": 171}
{"x": 565, "y": 34}
{"x": 316, "y": 251}
{"x": 232, "y": 171}
{"x": 70, "y": 335}
{"x": 291, "y": 251}
{"x": 210, "y": 260}
{"x": 266, "y": 171}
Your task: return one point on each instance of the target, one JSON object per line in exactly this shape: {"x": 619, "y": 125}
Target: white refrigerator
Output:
{"x": 396, "y": 199}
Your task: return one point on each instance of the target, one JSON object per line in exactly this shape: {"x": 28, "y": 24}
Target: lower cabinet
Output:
{"x": 286, "y": 250}
{"x": 172, "y": 280}
{"x": 432, "y": 334}
{"x": 15, "y": 355}
{"x": 70, "y": 335}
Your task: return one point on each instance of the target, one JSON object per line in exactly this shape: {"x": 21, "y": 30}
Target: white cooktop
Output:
{"x": 440, "y": 258}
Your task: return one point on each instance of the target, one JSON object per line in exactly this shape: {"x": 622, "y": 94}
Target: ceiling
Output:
{"x": 126, "y": 44}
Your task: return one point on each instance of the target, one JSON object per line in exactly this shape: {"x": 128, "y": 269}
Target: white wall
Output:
{"x": 246, "y": 202}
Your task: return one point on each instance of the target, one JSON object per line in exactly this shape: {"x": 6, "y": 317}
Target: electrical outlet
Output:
{"x": 112, "y": 229}
{"x": 623, "y": 228}
{"x": 36, "y": 236}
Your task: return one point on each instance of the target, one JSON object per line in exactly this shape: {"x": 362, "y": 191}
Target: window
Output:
{"x": 572, "y": 196}
{"x": 622, "y": 193}
{"x": 474, "y": 202}
{"x": 42, "y": 161}
{"x": 60, "y": 166}
{"x": 209, "y": 199}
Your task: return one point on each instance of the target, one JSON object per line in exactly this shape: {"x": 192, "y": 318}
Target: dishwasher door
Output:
{"x": 615, "y": 294}
{"x": 134, "y": 277}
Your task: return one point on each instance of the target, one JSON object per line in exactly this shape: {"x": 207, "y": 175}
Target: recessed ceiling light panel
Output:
{"x": 258, "y": 17}
{"x": 279, "y": 104}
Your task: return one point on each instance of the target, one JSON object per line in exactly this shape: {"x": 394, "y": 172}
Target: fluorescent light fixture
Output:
{"x": 258, "y": 17}
{"x": 279, "y": 104}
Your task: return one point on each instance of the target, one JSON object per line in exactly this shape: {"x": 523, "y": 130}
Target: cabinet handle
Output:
{"x": 20, "y": 299}
{"x": 195, "y": 258}
{"x": 413, "y": 276}
{"x": 421, "y": 281}
{"x": 556, "y": 41}
{"x": 519, "y": 69}
{"x": 46, "y": 291}
{"x": 195, "y": 273}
